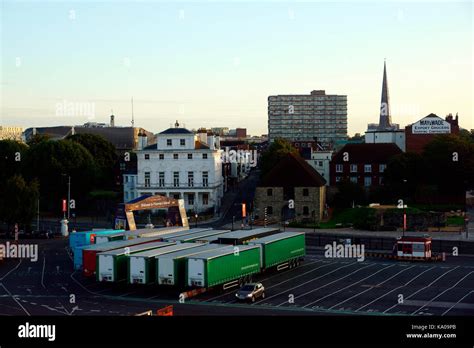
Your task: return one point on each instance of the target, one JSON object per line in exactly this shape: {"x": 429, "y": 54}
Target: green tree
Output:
{"x": 18, "y": 201}
{"x": 38, "y": 138}
{"x": 275, "y": 152}
{"x": 104, "y": 155}
{"x": 49, "y": 160}
{"x": 12, "y": 154}
{"x": 404, "y": 174}
{"x": 348, "y": 194}
{"x": 450, "y": 163}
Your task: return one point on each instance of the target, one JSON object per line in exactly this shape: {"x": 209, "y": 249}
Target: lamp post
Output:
{"x": 233, "y": 220}
{"x": 68, "y": 193}
{"x": 404, "y": 207}
{"x": 196, "y": 220}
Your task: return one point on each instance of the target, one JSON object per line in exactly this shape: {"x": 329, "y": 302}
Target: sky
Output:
{"x": 214, "y": 64}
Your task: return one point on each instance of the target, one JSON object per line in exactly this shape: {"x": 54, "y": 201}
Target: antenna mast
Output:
{"x": 133, "y": 120}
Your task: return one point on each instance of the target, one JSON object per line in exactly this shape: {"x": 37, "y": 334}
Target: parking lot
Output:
{"x": 346, "y": 286}
{"x": 319, "y": 286}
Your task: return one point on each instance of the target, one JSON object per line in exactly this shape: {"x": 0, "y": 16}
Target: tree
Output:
{"x": 49, "y": 160}
{"x": 38, "y": 138}
{"x": 18, "y": 201}
{"x": 12, "y": 154}
{"x": 349, "y": 193}
{"x": 275, "y": 152}
{"x": 104, "y": 154}
{"x": 450, "y": 161}
{"x": 404, "y": 173}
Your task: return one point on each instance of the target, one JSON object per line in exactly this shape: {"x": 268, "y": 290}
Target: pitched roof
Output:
{"x": 367, "y": 153}
{"x": 176, "y": 130}
{"x": 292, "y": 171}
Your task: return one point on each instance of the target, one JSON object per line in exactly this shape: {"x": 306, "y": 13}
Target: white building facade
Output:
{"x": 180, "y": 165}
{"x": 320, "y": 161}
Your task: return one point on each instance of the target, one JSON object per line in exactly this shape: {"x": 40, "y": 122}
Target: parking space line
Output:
{"x": 14, "y": 299}
{"x": 274, "y": 275}
{"x": 401, "y": 286}
{"x": 462, "y": 298}
{"x": 363, "y": 292}
{"x": 10, "y": 271}
{"x": 434, "y": 298}
{"x": 312, "y": 280}
{"x": 434, "y": 281}
{"x": 346, "y": 287}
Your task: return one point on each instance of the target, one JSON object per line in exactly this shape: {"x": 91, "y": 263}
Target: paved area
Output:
{"x": 319, "y": 286}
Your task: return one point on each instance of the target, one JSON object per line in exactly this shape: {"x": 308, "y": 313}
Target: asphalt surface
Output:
{"x": 319, "y": 286}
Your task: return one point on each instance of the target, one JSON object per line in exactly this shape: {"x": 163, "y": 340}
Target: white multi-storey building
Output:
{"x": 182, "y": 165}
{"x": 320, "y": 161}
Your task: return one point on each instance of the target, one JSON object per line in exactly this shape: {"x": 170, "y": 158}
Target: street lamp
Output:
{"x": 404, "y": 207}
{"x": 196, "y": 219}
{"x": 68, "y": 193}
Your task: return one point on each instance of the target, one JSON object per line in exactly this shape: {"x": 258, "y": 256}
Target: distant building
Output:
{"x": 314, "y": 117}
{"x": 220, "y": 130}
{"x": 11, "y": 133}
{"x": 123, "y": 138}
{"x": 182, "y": 165}
{"x": 385, "y": 131}
{"x": 292, "y": 179}
{"x": 363, "y": 164}
{"x": 422, "y": 132}
{"x": 320, "y": 160}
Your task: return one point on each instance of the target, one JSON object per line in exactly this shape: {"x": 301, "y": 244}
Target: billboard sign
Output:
{"x": 431, "y": 125}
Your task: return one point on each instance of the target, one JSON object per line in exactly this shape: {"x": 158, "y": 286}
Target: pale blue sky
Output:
{"x": 215, "y": 63}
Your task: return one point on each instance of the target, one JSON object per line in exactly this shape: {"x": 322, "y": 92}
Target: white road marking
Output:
{"x": 42, "y": 273}
{"x": 309, "y": 281}
{"x": 11, "y": 270}
{"x": 434, "y": 298}
{"x": 346, "y": 287}
{"x": 401, "y": 286}
{"x": 470, "y": 292}
{"x": 15, "y": 299}
{"x": 434, "y": 281}
{"x": 363, "y": 292}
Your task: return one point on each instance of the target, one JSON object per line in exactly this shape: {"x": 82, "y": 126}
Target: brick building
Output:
{"x": 363, "y": 164}
{"x": 420, "y": 133}
{"x": 291, "y": 179}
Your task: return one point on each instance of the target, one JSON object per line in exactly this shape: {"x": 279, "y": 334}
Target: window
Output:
{"x": 161, "y": 179}
{"x": 205, "y": 199}
{"x": 338, "y": 178}
{"x": 122, "y": 166}
{"x": 204, "y": 156}
{"x": 305, "y": 192}
{"x": 147, "y": 179}
{"x": 205, "y": 179}
{"x": 305, "y": 210}
{"x": 190, "y": 156}
{"x": 320, "y": 163}
{"x": 176, "y": 179}
{"x": 161, "y": 156}
{"x": 269, "y": 210}
{"x": 269, "y": 192}
{"x": 382, "y": 168}
{"x": 191, "y": 199}
{"x": 367, "y": 181}
{"x": 126, "y": 178}
{"x": 354, "y": 179}
{"x": 126, "y": 196}
{"x": 353, "y": 168}
{"x": 175, "y": 156}
{"x": 338, "y": 168}
{"x": 182, "y": 142}
{"x": 168, "y": 142}
{"x": 147, "y": 156}
{"x": 368, "y": 168}
{"x": 190, "y": 179}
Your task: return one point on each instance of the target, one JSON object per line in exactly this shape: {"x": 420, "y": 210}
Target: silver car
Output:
{"x": 250, "y": 292}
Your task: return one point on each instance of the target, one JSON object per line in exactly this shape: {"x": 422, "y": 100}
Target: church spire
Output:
{"x": 385, "y": 120}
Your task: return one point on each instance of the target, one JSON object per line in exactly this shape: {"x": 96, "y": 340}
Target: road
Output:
{"x": 320, "y": 286}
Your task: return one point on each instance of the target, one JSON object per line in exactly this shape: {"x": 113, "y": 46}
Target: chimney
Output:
{"x": 112, "y": 121}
